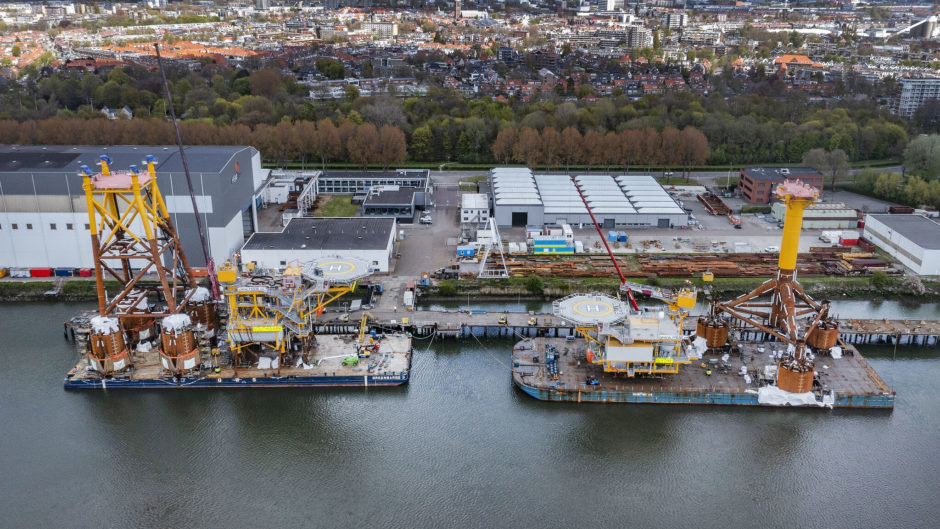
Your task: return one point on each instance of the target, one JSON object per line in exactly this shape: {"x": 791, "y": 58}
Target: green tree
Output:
{"x": 880, "y": 279}
{"x": 15, "y": 51}
{"x": 535, "y": 285}
{"x": 922, "y": 155}
{"x": 331, "y": 69}
{"x": 421, "y": 144}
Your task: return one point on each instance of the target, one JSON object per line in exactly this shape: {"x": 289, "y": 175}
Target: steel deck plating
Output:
{"x": 850, "y": 378}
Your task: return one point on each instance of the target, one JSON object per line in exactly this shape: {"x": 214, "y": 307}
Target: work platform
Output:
{"x": 846, "y": 382}
{"x": 389, "y": 366}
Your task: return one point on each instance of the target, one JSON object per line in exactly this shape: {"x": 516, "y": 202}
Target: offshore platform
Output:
{"x": 257, "y": 328}
{"x": 780, "y": 306}
{"x": 762, "y": 348}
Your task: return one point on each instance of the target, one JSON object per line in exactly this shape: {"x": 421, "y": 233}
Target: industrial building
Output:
{"x": 390, "y": 201}
{"x": 627, "y": 201}
{"x": 823, "y": 215}
{"x": 474, "y": 208}
{"x": 757, "y": 184}
{"x": 914, "y": 240}
{"x": 358, "y": 183}
{"x": 305, "y": 239}
{"x": 44, "y": 216}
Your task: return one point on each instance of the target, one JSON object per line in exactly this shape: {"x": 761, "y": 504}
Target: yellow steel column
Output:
{"x": 797, "y": 198}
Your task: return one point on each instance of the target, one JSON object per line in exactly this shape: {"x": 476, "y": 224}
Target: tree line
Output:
{"x": 553, "y": 148}
{"x": 445, "y": 125}
{"x": 362, "y": 144}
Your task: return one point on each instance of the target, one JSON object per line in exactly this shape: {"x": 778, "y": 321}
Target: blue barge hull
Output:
{"x": 254, "y": 382}
{"x": 666, "y": 397}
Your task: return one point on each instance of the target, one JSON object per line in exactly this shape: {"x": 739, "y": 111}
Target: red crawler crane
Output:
{"x": 623, "y": 280}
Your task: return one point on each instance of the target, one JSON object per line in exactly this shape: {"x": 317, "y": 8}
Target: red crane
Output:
{"x": 623, "y": 280}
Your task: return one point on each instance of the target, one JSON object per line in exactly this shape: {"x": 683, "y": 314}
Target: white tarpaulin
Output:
{"x": 176, "y": 322}
{"x": 199, "y": 295}
{"x": 836, "y": 352}
{"x": 700, "y": 345}
{"x": 774, "y": 396}
{"x": 104, "y": 325}
{"x": 264, "y": 363}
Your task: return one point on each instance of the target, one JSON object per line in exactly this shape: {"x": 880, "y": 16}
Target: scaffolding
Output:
{"x": 493, "y": 243}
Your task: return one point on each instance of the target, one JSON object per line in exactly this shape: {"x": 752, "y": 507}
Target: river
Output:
{"x": 458, "y": 447}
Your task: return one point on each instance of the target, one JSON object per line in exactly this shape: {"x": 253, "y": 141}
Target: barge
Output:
{"x": 330, "y": 366}
{"x": 253, "y": 327}
{"x": 557, "y": 369}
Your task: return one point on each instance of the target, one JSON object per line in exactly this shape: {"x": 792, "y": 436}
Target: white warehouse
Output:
{"x": 627, "y": 201}
{"x": 304, "y": 239}
{"x": 914, "y": 240}
{"x": 44, "y": 215}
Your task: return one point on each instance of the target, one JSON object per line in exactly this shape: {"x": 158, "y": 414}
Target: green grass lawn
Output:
{"x": 677, "y": 181}
{"x": 337, "y": 206}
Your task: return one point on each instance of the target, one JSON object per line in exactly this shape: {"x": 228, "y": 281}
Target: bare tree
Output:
{"x": 528, "y": 148}
{"x": 572, "y": 148}
{"x": 833, "y": 163}
{"x": 393, "y": 147}
{"x": 695, "y": 150}
{"x": 551, "y": 147}
{"x": 363, "y": 147}
{"x": 502, "y": 146}
{"x": 329, "y": 144}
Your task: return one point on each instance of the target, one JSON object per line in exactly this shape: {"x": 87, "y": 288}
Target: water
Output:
{"x": 458, "y": 447}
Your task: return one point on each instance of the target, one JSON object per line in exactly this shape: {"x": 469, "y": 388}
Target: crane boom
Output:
{"x": 623, "y": 280}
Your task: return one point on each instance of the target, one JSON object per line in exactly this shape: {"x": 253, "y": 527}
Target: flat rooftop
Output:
{"x": 403, "y": 196}
{"x": 474, "y": 201}
{"x": 304, "y": 233}
{"x": 69, "y": 158}
{"x": 919, "y": 229}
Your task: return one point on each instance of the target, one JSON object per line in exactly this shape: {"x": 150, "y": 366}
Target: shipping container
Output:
{"x": 3, "y": 272}
{"x": 904, "y": 210}
{"x": 40, "y": 272}
{"x": 64, "y": 272}
{"x": 19, "y": 272}
{"x": 85, "y": 272}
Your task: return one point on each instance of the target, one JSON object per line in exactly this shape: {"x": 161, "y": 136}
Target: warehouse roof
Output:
{"x": 69, "y": 158}
{"x": 474, "y": 201}
{"x": 353, "y": 233}
{"x": 918, "y": 229}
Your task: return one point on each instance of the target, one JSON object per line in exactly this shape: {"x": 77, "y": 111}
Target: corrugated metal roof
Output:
{"x": 659, "y": 210}
{"x": 519, "y": 201}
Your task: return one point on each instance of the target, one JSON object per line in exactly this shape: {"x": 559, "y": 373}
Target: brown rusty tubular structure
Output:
{"x": 777, "y": 316}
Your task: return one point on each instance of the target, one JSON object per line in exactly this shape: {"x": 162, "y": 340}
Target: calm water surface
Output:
{"x": 458, "y": 447}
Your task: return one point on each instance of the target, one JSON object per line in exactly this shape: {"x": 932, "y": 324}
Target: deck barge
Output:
{"x": 846, "y": 382}
{"x": 389, "y": 366}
